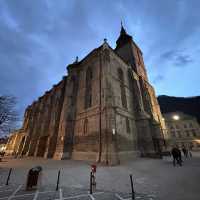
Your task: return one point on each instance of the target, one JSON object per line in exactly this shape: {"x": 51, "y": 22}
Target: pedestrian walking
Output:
{"x": 176, "y": 153}
{"x": 185, "y": 151}
{"x": 190, "y": 154}
{"x": 180, "y": 161}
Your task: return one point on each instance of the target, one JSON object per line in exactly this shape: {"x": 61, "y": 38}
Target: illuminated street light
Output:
{"x": 176, "y": 117}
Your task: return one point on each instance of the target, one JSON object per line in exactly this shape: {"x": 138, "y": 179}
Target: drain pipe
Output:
{"x": 100, "y": 105}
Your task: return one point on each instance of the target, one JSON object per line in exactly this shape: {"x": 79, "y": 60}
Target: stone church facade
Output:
{"x": 104, "y": 110}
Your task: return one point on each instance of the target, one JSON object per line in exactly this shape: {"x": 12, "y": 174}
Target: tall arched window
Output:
{"x": 85, "y": 127}
{"x": 128, "y": 129}
{"x": 122, "y": 87}
{"x": 88, "y": 89}
{"x": 74, "y": 89}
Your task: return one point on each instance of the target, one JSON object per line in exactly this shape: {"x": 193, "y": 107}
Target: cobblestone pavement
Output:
{"x": 18, "y": 192}
{"x": 155, "y": 178}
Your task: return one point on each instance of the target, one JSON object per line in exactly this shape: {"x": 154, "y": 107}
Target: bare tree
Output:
{"x": 8, "y": 114}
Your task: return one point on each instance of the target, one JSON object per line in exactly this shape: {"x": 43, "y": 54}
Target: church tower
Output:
{"x": 128, "y": 50}
{"x": 149, "y": 111}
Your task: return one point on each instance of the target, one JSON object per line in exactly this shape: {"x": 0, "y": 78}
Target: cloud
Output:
{"x": 183, "y": 60}
{"x": 168, "y": 55}
{"x": 177, "y": 58}
{"x": 37, "y": 41}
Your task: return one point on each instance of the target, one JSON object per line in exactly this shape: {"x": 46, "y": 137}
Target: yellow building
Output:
{"x": 13, "y": 146}
{"x": 182, "y": 130}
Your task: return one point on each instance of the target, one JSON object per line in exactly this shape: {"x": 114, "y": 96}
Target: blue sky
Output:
{"x": 38, "y": 39}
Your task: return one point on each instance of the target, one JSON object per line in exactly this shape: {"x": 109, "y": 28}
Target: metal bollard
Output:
{"x": 132, "y": 189}
{"x": 58, "y": 181}
{"x": 91, "y": 182}
{"x": 8, "y": 178}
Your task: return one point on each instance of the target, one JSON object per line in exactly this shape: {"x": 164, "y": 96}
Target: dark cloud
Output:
{"x": 183, "y": 60}
{"x": 168, "y": 55}
{"x": 177, "y": 58}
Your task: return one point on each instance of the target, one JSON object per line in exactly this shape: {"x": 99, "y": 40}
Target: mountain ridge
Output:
{"x": 187, "y": 105}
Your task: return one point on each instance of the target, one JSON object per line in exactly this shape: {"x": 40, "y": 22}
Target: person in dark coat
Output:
{"x": 176, "y": 153}
{"x": 179, "y": 157}
{"x": 185, "y": 151}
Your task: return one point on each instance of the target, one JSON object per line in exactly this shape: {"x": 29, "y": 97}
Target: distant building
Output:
{"x": 14, "y": 143}
{"x": 104, "y": 110}
{"x": 3, "y": 142}
{"x": 183, "y": 130}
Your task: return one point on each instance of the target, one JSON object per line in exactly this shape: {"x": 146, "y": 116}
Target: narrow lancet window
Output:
{"x": 128, "y": 129}
{"x": 85, "y": 127}
{"x": 88, "y": 89}
{"x": 122, "y": 88}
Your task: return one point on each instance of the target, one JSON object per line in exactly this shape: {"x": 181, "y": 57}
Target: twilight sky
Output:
{"x": 39, "y": 38}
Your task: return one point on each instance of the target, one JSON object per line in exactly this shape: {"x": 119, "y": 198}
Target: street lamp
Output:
{"x": 175, "y": 117}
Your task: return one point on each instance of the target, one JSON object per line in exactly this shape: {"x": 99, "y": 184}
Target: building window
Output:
{"x": 122, "y": 87}
{"x": 88, "y": 89}
{"x": 85, "y": 127}
{"x": 173, "y": 134}
{"x": 191, "y": 125}
{"x": 194, "y": 133}
{"x": 128, "y": 129}
{"x": 185, "y": 125}
{"x": 187, "y": 133}
{"x": 179, "y": 134}
{"x": 171, "y": 127}
{"x": 177, "y": 127}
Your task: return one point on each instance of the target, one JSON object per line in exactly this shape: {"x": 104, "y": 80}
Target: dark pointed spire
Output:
{"x": 123, "y": 31}
{"x": 123, "y": 38}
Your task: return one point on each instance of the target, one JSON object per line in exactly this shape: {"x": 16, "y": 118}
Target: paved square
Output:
{"x": 153, "y": 179}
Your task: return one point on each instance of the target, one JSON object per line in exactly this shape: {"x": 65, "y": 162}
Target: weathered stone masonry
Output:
{"x": 104, "y": 110}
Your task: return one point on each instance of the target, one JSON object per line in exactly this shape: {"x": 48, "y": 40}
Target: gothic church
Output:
{"x": 104, "y": 110}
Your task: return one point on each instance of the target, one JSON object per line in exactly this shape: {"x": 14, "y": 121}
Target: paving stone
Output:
{"x": 48, "y": 196}
{"x": 23, "y": 197}
{"x": 5, "y": 193}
